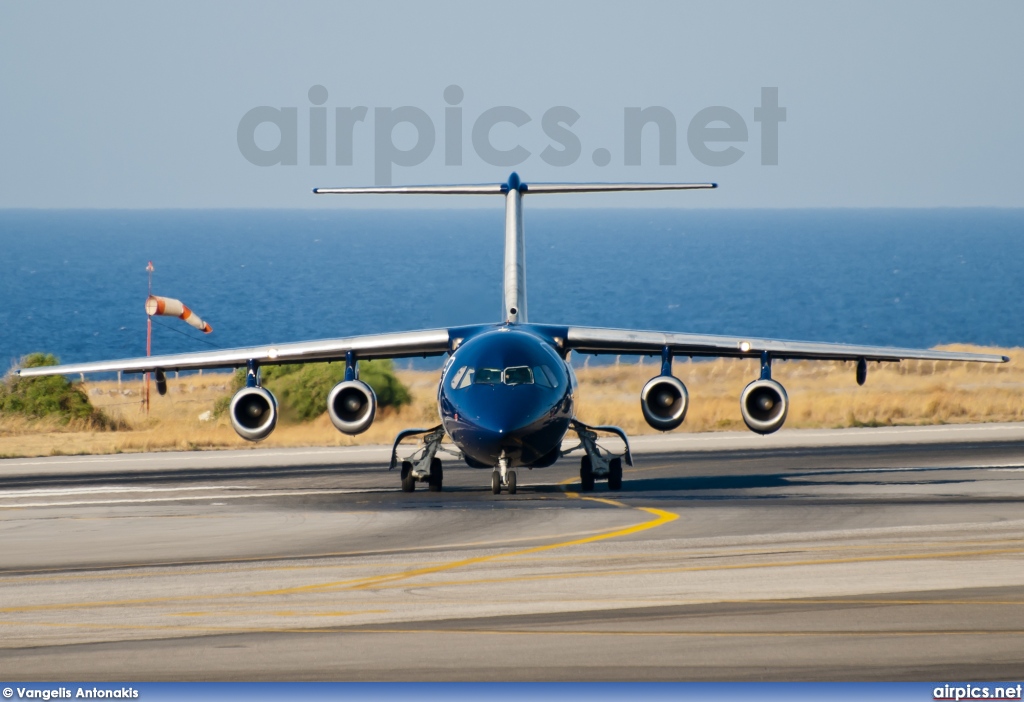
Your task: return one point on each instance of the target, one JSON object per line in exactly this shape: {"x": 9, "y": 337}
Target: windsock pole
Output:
{"x": 167, "y": 307}
{"x": 149, "y": 338}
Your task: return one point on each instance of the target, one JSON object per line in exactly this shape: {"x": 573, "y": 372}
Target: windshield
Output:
{"x": 514, "y": 375}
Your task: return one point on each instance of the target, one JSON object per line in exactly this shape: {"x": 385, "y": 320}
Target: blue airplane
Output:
{"x": 506, "y": 392}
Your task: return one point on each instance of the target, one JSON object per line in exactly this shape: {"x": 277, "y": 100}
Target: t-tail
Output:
{"x": 514, "y": 290}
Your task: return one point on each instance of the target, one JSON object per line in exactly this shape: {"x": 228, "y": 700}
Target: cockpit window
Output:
{"x": 462, "y": 377}
{"x": 518, "y": 375}
{"x": 488, "y": 376}
{"x": 545, "y": 377}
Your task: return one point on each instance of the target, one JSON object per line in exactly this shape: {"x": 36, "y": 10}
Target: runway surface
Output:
{"x": 816, "y": 556}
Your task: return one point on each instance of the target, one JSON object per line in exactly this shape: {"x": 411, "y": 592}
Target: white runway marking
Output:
{"x": 196, "y": 456}
{"x": 187, "y": 498}
{"x": 99, "y": 490}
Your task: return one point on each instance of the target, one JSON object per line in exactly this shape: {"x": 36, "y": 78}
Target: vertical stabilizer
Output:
{"x": 514, "y": 290}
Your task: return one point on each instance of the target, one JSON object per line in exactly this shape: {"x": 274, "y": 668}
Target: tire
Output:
{"x": 436, "y": 475}
{"x": 615, "y": 474}
{"x": 586, "y": 475}
{"x": 408, "y": 482}
{"x": 511, "y": 478}
{"x": 496, "y": 483}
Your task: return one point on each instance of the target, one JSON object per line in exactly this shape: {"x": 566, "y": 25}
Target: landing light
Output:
{"x": 744, "y": 346}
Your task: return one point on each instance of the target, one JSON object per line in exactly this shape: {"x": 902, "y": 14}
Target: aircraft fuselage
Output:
{"x": 507, "y": 390}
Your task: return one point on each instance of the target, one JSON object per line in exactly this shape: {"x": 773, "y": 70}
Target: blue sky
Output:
{"x": 138, "y": 105}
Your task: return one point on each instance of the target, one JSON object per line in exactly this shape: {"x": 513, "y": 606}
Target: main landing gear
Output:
{"x": 503, "y": 475}
{"x": 423, "y": 465}
{"x": 599, "y": 462}
{"x": 434, "y": 479}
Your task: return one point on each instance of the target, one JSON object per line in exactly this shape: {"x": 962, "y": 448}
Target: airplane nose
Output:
{"x": 504, "y": 420}
{"x": 521, "y": 423}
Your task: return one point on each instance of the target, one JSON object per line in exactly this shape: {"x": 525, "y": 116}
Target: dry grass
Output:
{"x": 174, "y": 424}
{"x": 822, "y": 394}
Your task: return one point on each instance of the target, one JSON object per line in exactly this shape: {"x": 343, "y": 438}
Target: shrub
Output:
{"x": 302, "y": 390}
{"x": 47, "y": 396}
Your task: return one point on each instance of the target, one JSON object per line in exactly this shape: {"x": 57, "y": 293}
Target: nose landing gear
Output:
{"x": 503, "y": 476}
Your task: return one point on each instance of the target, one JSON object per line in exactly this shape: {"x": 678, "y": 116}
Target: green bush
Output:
{"x": 47, "y": 396}
{"x": 302, "y": 390}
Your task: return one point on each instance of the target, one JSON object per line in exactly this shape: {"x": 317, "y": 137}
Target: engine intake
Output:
{"x": 764, "y": 406}
{"x": 253, "y": 413}
{"x": 664, "y": 402}
{"x": 351, "y": 406}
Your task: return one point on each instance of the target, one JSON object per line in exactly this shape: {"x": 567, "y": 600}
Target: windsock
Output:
{"x": 169, "y": 307}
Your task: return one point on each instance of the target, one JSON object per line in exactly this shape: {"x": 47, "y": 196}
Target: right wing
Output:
{"x": 595, "y": 340}
{"x": 431, "y": 342}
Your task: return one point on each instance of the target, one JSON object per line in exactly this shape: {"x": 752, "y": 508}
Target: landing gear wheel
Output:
{"x": 615, "y": 474}
{"x": 408, "y": 481}
{"x": 496, "y": 483}
{"x": 511, "y": 478}
{"x": 586, "y": 475}
{"x": 436, "y": 475}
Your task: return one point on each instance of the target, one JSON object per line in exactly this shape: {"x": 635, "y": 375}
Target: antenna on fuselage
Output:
{"x": 514, "y": 288}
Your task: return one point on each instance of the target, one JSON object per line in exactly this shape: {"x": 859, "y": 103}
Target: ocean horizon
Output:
{"x": 74, "y": 283}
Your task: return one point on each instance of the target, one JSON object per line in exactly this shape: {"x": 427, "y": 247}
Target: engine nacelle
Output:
{"x": 764, "y": 406}
{"x": 664, "y": 402}
{"x": 253, "y": 413}
{"x": 351, "y": 406}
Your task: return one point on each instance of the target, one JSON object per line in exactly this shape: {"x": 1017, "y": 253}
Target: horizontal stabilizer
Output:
{"x": 540, "y": 188}
{"x": 513, "y": 184}
{"x": 414, "y": 190}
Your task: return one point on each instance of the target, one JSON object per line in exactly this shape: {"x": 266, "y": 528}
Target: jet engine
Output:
{"x": 664, "y": 401}
{"x": 253, "y": 413}
{"x": 764, "y": 405}
{"x": 351, "y": 406}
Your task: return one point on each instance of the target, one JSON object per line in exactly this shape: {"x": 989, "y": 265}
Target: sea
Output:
{"x": 74, "y": 282}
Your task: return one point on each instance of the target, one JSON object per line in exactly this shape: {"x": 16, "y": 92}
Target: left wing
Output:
{"x": 431, "y": 342}
{"x": 627, "y": 341}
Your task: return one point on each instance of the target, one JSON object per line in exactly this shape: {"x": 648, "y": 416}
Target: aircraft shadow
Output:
{"x": 823, "y": 478}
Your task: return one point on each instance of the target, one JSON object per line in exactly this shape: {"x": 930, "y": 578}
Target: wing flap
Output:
{"x": 627, "y": 341}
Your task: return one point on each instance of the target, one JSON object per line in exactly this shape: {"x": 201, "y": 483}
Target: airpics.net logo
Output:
{"x": 972, "y": 693}
{"x": 715, "y": 136}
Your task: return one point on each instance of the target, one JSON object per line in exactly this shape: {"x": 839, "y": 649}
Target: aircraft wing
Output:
{"x": 627, "y": 341}
{"x": 432, "y": 342}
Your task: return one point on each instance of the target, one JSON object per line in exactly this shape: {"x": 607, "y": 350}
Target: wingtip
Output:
{"x": 316, "y": 191}
{"x": 1006, "y": 359}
